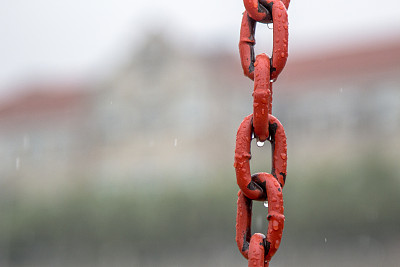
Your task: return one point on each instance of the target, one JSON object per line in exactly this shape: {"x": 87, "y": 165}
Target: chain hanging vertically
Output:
{"x": 264, "y": 70}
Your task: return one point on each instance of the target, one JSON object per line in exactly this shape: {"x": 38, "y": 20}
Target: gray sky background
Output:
{"x": 47, "y": 38}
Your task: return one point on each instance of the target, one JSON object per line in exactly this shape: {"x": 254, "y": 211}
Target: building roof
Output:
{"x": 46, "y": 103}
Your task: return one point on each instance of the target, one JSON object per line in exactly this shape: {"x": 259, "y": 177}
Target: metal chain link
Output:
{"x": 258, "y": 248}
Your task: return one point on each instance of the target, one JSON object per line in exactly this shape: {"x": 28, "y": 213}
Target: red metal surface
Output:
{"x": 280, "y": 40}
{"x": 246, "y": 45}
{"x": 249, "y": 245}
{"x": 281, "y": 35}
{"x": 251, "y": 187}
{"x": 257, "y": 248}
{"x": 285, "y": 2}
{"x": 257, "y": 10}
{"x": 262, "y": 95}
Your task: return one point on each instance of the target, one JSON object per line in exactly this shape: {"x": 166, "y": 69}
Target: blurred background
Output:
{"x": 118, "y": 123}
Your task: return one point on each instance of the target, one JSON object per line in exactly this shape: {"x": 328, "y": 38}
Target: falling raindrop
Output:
{"x": 266, "y": 204}
{"x": 26, "y": 142}
{"x": 326, "y": 240}
{"x": 175, "y": 142}
{"x": 17, "y": 163}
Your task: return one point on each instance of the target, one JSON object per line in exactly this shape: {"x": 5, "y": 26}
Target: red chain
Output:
{"x": 280, "y": 40}
{"x": 262, "y": 104}
{"x": 257, "y": 248}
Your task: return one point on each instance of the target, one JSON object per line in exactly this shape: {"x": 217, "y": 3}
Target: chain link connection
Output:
{"x": 264, "y": 70}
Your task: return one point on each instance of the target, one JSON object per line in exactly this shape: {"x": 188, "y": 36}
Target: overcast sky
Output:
{"x": 82, "y": 37}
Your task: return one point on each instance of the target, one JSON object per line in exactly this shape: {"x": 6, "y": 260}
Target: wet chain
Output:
{"x": 263, "y": 126}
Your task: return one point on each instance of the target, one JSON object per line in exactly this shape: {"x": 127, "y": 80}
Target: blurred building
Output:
{"x": 171, "y": 112}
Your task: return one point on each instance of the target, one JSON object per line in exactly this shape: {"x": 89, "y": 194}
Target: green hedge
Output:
{"x": 360, "y": 198}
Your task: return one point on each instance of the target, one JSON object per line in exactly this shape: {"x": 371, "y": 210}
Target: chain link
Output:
{"x": 258, "y": 248}
{"x": 280, "y": 40}
{"x": 262, "y": 95}
{"x": 259, "y": 10}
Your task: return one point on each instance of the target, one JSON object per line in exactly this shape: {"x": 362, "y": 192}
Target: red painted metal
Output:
{"x": 246, "y": 45}
{"x": 265, "y": 3}
{"x": 262, "y": 95}
{"x": 286, "y": 3}
{"x": 250, "y": 245}
{"x": 259, "y": 9}
{"x": 280, "y": 40}
{"x": 249, "y": 185}
{"x": 257, "y": 248}
{"x": 281, "y": 35}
